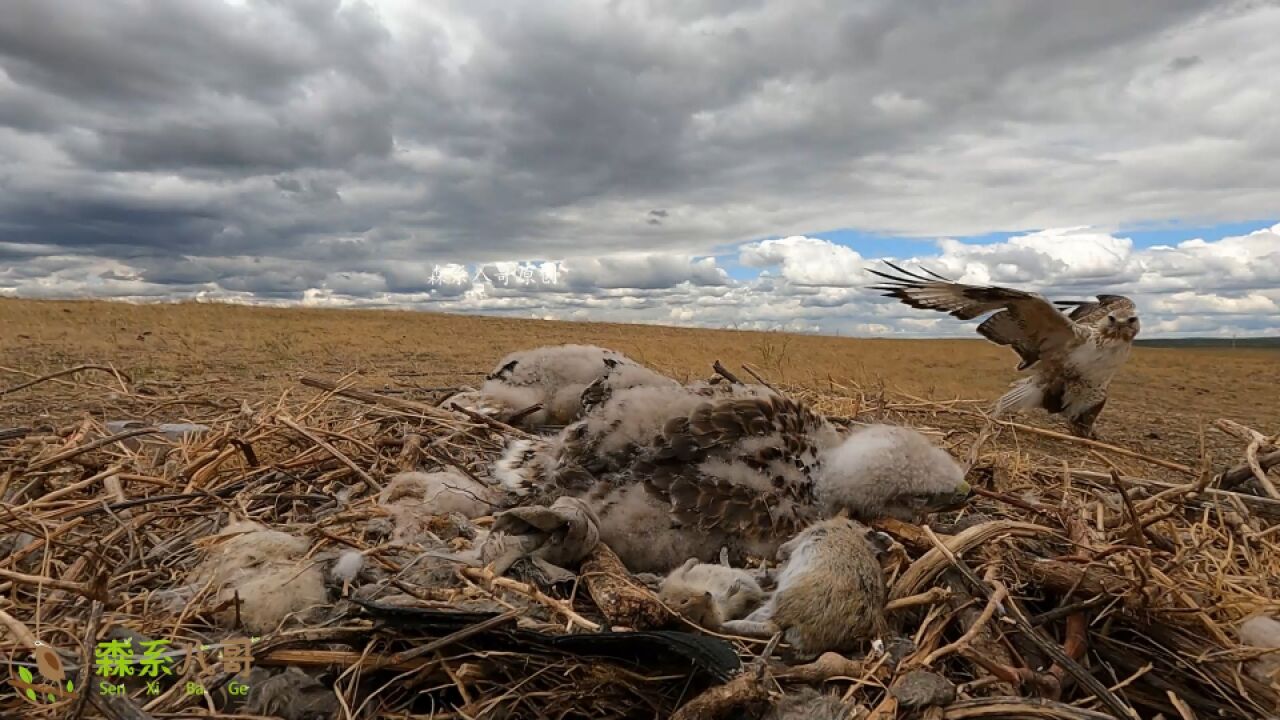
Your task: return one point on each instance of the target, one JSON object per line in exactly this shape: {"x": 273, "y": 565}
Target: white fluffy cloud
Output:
{"x": 1061, "y": 256}
{"x": 806, "y": 261}
{"x": 1083, "y": 258}
{"x": 1223, "y": 287}
{"x": 639, "y": 270}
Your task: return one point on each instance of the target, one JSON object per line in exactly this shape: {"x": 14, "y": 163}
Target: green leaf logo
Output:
{"x": 27, "y": 678}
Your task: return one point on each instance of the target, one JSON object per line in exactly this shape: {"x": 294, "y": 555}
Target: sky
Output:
{"x": 696, "y": 162}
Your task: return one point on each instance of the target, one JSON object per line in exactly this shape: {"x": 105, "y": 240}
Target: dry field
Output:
{"x": 1139, "y": 579}
{"x": 1164, "y": 402}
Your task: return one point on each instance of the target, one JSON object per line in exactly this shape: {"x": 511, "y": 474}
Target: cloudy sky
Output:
{"x": 729, "y": 163}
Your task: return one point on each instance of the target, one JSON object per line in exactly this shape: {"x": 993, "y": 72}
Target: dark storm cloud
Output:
{"x": 353, "y": 147}
{"x": 111, "y": 227}
{"x": 248, "y": 147}
{"x": 150, "y": 53}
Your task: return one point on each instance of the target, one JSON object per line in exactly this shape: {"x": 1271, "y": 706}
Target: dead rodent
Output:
{"x": 709, "y": 595}
{"x": 831, "y": 591}
{"x": 806, "y": 703}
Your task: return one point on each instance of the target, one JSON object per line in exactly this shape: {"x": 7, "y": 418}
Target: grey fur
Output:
{"x": 831, "y": 591}
{"x": 808, "y": 704}
{"x": 710, "y": 594}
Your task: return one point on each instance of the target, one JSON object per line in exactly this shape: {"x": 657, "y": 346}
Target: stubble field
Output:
{"x": 1164, "y": 402}
{"x": 1179, "y": 564}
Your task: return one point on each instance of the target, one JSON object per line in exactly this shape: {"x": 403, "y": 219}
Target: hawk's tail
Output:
{"x": 1025, "y": 395}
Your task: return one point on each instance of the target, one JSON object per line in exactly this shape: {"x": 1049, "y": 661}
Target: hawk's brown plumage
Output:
{"x": 784, "y": 457}
{"x": 1074, "y": 355}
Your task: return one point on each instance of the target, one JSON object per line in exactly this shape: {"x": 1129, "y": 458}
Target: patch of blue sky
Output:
{"x": 736, "y": 270}
{"x": 1174, "y": 232}
{"x": 877, "y": 245}
{"x": 1143, "y": 235}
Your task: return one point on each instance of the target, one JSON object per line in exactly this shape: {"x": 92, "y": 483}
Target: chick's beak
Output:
{"x": 957, "y": 498}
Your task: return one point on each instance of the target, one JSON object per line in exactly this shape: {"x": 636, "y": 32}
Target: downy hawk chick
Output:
{"x": 673, "y": 474}
{"x": 563, "y": 379}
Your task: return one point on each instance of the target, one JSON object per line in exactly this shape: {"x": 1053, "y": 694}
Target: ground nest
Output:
{"x": 266, "y": 557}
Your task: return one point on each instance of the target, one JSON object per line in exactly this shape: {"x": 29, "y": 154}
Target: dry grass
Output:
{"x": 1160, "y": 402}
{"x": 1137, "y": 590}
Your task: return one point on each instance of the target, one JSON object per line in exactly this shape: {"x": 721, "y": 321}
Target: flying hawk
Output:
{"x": 1073, "y": 357}
{"x": 673, "y": 473}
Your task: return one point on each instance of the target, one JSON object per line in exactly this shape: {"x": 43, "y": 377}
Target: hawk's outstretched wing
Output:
{"x": 1089, "y": 312}
{"x": 1027, "y": 322}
